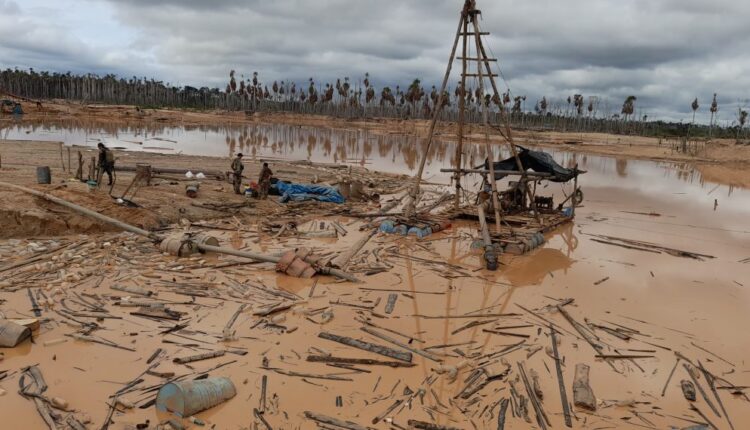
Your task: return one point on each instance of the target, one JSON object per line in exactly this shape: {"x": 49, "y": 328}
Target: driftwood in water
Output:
{"x": 417, "y": 351}
{"x": 583, "y": 395}
{"x": 421, "y": 425}
{"x": 560, "y": 381}
{"x": 333, "y": 421}
{"x": 367, "y": 346}
{"x": 385, "y": 413}
{"x": 366, "y": 361}
{"x": 263, "y": 388}
{"x": 309, "y": 375}
{"x": 712, "y": 384}
{"x": 501, "y": 415}
{"x": 198, "y": 357}
{"x": 669, "y": 378}
{"x": 391, "y": 303}
{"x": 582, "y": 330}
{"x": 694, "y": 377}
{"x": 259, "y": 416}
{"x": 541, "y": 416}
{"x": 688, "y": 389}
{"x": 650, "y": 247}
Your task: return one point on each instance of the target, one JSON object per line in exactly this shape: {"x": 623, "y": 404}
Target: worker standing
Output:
{"x": 264, "y": 181}
{"x": 237, "y": 168}
{"x": 106, "y": 162}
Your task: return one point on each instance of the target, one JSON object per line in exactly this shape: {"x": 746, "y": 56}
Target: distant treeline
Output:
{"x": 362, "y": 100}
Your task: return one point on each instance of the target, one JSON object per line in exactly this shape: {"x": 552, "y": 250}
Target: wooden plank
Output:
{"x": 391, "y": 303}
{"x": 333, "y": 421}
{"x": 560, "y": 381}
{"x": 367, "y": 346}
{"x": 386, "y": 338}
{"x": 366, "y": 361}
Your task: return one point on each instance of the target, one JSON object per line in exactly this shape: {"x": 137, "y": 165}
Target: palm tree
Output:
{"x": 714, "y": 109}
{"x": 742, "y": 118}
{"x": 628, "y": 107}
{"x": 232, "y": 81}
{"x": 695, "y": 107}
{"x": 578, "y": 103}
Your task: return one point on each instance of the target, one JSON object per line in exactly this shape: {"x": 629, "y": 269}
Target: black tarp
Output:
{"x": 540, "y": 162}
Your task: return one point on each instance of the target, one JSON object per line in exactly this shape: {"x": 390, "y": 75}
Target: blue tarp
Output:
{"x": 302, "y": 192}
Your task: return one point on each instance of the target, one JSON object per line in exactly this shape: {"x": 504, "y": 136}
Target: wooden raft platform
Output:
{"x": 516, "y": 224}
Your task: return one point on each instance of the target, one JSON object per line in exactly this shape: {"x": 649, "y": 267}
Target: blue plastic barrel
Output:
{"x": 190, "y": 397}
{"x": 420, "y": 232}
{"x": 386, "y": 226}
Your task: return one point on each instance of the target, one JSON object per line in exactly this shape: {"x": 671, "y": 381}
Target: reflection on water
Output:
{"x": 394, "y": 153}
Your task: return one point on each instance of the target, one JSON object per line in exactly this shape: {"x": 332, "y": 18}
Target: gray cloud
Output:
{"x": 665, "y": 52}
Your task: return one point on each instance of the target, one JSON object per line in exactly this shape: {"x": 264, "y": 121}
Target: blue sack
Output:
{"x": 303, "y": 192}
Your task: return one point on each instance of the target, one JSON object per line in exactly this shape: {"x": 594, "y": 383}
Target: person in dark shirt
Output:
{"x": 106, "y": 161}
{"x": 264, "y": 181}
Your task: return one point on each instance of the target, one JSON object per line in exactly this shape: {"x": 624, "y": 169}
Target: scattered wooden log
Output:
{"x": 333, "y": 421}
{"x": 470, "y": 325}
{"x": 694, "y": 377}
{"x": 421, "y": 425}
{"x": 669, "y": 378}
{"x": 583, "y": 395}
{"x": 154, "y": 355}
{"x": 273, "y": 309}
{"x": 263, "y": 387}
{"x": 712, "y": 384}
{"x": 391, "y": 303}
{"x": 505, "y": 333}
{"x": 622, "y": 357}
{"x": 198, "y": 357}
{"x": 541, "y": 416}
{"x": 367, "y": 346}
{"x": 385, "y": 413}
{"x": 387, "y": 338}
{"x": 99, "y": 341}
{"x": 259, "y": 416}
{"x": 501, "y": 415}
{"x": 605, "y": 279}
{"x": 309, "y": 375}
{"x": 712, "y": 354}
{"x": 560, "y": 381}
{"x": 365, "y": 361}
{"x": 702, "y": 415}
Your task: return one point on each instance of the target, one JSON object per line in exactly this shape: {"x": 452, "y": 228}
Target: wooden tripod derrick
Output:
{"x": 469, "y": 34}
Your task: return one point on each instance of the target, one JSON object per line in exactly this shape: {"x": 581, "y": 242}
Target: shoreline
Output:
{"x": 717, "y": 151}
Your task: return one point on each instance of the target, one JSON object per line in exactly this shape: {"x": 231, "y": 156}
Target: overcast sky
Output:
{"x": 665, "y": 52}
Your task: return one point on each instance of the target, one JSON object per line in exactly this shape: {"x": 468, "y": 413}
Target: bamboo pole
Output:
{"x": 411, "y": 206}
{"x": 485, "y": 120}
{"x": 461, "y": 109}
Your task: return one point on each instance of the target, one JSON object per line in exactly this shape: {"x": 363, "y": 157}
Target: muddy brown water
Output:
{"x": 675, "y": 302}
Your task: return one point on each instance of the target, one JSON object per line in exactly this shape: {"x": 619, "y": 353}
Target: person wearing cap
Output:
{"x": 264, "y": 181}
{"x": 237, "y": 168}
